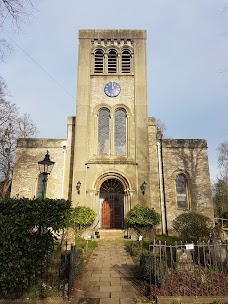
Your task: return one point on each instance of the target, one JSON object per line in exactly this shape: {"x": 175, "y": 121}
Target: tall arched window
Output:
{"x": 126, "y": 61}
{"x": 182, "y": 191}
{"x": 112, "y": 61}
{"x": 99, "y": 61}
{"x": 103, "y": 132}
{"x": 120, "y": 138}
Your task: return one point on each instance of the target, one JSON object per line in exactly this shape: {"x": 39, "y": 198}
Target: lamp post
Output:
{"x": 45, "y": 167}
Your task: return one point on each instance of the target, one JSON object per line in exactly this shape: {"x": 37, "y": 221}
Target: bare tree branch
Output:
{"x": 12, "y": 126}
{"x": 13, "y": 13}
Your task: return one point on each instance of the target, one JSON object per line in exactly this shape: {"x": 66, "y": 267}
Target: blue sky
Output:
{"x": 187, "y": 48}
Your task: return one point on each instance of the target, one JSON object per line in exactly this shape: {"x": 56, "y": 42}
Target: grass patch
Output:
{"x": 87, "y": 247}
{"x": 170, "y": 240}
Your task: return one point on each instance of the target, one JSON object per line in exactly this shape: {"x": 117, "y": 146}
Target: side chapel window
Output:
{"x": 181, "y": 191}
{"x": 103, "y": 131}
{"x": 120, "y": 132}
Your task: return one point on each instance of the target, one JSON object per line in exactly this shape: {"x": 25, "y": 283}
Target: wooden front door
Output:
{"x": 112, "y": 207}
{"x": 106, "y": 215}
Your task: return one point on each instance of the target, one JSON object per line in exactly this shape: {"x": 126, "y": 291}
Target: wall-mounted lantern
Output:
{"x": 78, "y": 186}
{"x": 143, "y": 187}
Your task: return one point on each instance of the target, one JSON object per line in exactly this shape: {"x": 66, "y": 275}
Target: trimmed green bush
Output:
{"x": 81, "y": 218}
{"x": 193, "y": 227}
{"x": 142, "y": 219}
{"x": 158, "y": 274}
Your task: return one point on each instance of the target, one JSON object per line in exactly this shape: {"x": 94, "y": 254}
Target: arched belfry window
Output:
{"x": 126, "y": 61}
{"x": 120, "y": 138}
{"x": 99, "y": 61}
{"x": 182, "y": 191}
{"x": 112, "y": 61}
{"x": 103, "y": 131}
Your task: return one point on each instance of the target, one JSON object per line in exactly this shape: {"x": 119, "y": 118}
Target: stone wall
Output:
{"x": 26, "y": 170}
{"x": 188, "y": 156}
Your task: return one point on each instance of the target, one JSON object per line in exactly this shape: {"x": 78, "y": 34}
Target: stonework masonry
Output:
{"x": 112, "y": 183}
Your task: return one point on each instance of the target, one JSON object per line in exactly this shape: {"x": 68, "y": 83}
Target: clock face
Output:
{"x": 112, "y": 89}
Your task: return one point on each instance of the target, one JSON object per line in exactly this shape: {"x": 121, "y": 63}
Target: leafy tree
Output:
{"x": 12, "y": 126}
{"x": 81, "y": 218}
{"x": 142, "y": 219}
{"x": 193, "y": 227}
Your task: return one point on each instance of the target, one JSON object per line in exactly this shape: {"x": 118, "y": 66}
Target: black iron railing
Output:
{"x": 188, "y": 269}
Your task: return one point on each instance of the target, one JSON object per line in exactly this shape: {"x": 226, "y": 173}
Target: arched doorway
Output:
{"x": 112, "y": 196}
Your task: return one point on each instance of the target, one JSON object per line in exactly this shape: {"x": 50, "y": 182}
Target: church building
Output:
{"x": 113, "y": 158}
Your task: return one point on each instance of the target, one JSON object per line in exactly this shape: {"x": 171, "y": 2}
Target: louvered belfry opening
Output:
{"x": 126, "y": 61}
{"x": 112, "y": 61}
{"x": 113, "y": 205}
{"x": 99, "y": 62}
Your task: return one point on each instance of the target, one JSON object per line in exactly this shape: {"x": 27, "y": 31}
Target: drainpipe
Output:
{"x": 64, "y": 169}
{"x": 162, "y": 188}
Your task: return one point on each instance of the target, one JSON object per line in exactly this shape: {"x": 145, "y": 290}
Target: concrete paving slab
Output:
{"x": 110, "y": 279}
{"x": 111, "y": 288}
{"x": 122, "y": 294}
{"x": 109, "y": 301}
{"x": 97, "y": 294}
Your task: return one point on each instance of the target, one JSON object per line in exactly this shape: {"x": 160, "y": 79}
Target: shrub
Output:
{"x": 27, "y": 230}
{"x": 81, "y": 218}
{"x": 142, "y": 219}
{"x": 158, "y": 274}
{"x": 193, "y": 227}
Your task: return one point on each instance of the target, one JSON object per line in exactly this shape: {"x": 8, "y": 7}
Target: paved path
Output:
{"x": 109, "y": 277}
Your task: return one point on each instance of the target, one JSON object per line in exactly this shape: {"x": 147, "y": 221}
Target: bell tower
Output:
{"x": 111, "y": 155}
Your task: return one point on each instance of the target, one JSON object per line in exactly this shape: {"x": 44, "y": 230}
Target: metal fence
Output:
{"x": 67, "y": 271}
{"x": 188, "y": 269}
{"x": 58, "y": 275}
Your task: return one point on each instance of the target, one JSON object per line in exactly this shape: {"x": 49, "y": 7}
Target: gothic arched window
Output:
{"x": 112, "y": 61}
{"x": 99, "y": 61}
{"x": 120, "y": 132}
{"x": 103, "y": 131}
{"x": 182, "y": 191}
{"x": 126, "y": 61}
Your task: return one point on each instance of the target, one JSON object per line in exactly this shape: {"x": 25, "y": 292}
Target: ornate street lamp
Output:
{"x": 45, "y": 166}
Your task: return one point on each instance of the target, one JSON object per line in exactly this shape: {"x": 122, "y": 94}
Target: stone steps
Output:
{"x": 110, "y": 234}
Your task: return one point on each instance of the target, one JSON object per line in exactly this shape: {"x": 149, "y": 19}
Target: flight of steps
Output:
{"x": 110, "y": 234}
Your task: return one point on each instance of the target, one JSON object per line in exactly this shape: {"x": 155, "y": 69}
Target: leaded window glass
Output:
{"x": 112, "y": 61}
{"x": 120, "y": 132}
{"x": 126, "y": 61}
{"x": 181, "y": 191}
{"x": 99, "y": 61}
{"x": 103, "y": 132}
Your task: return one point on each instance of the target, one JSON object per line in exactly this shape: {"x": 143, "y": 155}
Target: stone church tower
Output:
{"x": 112, "y": 159}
